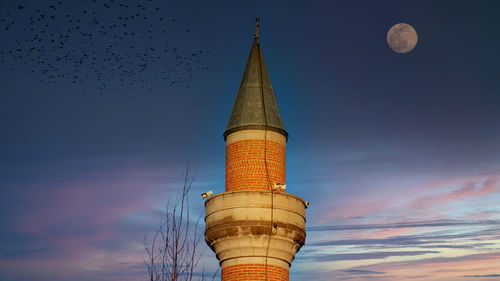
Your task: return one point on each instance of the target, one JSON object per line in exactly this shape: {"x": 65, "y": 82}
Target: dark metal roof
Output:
{"x": 255, "y": 106}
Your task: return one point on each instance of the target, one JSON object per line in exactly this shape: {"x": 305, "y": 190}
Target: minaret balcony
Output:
{"x": 255, "y": 223}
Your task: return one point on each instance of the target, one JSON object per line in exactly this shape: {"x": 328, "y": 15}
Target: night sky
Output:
{"x": 399, "y": 154}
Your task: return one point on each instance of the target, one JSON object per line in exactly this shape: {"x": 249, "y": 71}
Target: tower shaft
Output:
{"x": 255, "y": 159}
{"x": 255, "y": 228}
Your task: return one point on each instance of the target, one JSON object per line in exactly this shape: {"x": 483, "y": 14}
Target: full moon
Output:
{"x": 402, "y": 38}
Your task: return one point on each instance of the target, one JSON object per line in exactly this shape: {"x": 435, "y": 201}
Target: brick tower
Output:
{"x": 255, "y": 227}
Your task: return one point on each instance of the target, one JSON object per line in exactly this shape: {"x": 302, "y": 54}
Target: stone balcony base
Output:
{"x": 256, "y": 224}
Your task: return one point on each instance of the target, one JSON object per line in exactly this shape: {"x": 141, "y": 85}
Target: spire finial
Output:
{"x": 257, "y": 19}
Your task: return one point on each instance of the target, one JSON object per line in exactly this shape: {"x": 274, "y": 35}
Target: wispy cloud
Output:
{"x": 430, "y": 239}
{"x": 364, "y": 256}
{"x": 441, "y": 268}
{"x": 482, "y": 276}
{"x": 360, "y": 271}
{"x": 467, "y": 190}
{"x": 26, "y": 252}
{"x": 415, "y": 224}
{"x": 430, "y": 199}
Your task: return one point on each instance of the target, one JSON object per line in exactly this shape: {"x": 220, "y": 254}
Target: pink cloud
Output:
{"x": 466, "y": 191}
{"x": 79, "y": 224}
{"x": 383, "y": 233}
{"x": 434, "y": 269}
{"x": 407, "y": 202}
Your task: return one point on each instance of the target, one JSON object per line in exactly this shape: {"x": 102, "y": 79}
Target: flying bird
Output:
{"x": 64, "y": 44}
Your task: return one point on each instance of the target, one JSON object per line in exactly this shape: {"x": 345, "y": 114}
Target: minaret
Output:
{"x": 255, "y": 227}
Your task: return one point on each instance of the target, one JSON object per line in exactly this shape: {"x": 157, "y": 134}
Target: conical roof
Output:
{"x": 255, "y": 106}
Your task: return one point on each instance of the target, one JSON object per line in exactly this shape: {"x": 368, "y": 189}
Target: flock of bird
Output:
{"x": 105, "y": 46}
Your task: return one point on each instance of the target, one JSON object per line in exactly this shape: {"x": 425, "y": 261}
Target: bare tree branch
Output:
{"x": 173, "y": 254}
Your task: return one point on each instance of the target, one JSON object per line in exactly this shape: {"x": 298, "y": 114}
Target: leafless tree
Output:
{"x": 173, "y": 252}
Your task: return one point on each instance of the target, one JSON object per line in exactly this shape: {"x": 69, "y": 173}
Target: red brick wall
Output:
{"x": 245, "y": 165}
{"x": 254, "y": 272}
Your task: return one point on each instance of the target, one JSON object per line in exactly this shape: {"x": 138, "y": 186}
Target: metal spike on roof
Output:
{"x": 255, "y": 106}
